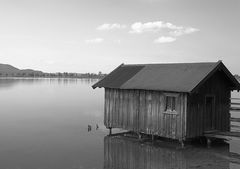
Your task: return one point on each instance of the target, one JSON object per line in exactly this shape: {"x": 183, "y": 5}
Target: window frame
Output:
{"x": 170, "y": 111}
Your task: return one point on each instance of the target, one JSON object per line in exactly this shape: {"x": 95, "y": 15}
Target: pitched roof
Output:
{"x": 176, "y": 77}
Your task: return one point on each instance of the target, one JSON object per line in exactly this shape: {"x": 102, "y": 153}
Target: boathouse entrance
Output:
{"x": 209, "y": 113}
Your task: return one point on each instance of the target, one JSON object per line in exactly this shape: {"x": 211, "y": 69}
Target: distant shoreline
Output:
{"x": 39, "y": 77}
{"x": 7, "y": 70}
{"x": 54, "y": 75}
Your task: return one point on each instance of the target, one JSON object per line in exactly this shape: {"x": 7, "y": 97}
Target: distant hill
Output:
{"x": 9, "y": 70}
{"x": 5, "y": 68}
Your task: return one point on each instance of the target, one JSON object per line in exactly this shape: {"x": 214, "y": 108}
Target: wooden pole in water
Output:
{"x": 152, "y": 137}
{"x": 139, "y": 135}
{"x": 110, "y": 131}
{"x": 209, "y": 142}
{"x": 182, "y": 143}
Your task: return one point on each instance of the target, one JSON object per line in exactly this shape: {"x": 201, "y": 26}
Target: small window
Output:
{"x": 170, "y": 103}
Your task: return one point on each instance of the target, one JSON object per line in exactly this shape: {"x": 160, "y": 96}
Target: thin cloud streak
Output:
{"x": 180, "y": 32}
{"x": 139, "y": 27}
{"x": 107, "y": 26}
{"x": 164, "y": 39}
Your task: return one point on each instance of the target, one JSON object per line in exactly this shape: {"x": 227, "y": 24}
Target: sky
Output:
{"x": 98, "y": 35}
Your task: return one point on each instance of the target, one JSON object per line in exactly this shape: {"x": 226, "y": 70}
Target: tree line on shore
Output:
{"x": 53, "y": 75}
{"x": 7, "y": 70}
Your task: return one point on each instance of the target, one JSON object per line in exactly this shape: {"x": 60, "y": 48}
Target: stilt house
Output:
{"x": 177, "y": 101}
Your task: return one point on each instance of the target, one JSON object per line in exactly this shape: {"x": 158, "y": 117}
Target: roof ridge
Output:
{"x": 172, "y": 63}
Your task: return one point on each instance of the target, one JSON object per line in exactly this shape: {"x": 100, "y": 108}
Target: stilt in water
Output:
{"x": 110, "y": 131}
{"x": 209, "y": 142}
{"x": 89, "y": 128}
{"x": 97, "y": 126}
{"x": 152, "y": 137}
{"x": 182, "y": 143}
{"x": 139, "y": 135}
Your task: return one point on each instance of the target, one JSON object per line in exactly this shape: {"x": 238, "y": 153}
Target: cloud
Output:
{"x": 180, "y": 32}
{"x": 164, "y": 39}
{"x": 157, "y": 26}
{"x": 139, "y": 27}
{"x": 167, "y": 31}
{"x": 96, "y": 40}
{"x": 107, "y": 26}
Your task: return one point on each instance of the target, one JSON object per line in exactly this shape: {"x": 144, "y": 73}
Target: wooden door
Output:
{"x": 209, "y": 113}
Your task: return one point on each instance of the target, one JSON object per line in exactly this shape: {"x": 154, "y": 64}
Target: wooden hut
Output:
{"x": 176, "y": 101}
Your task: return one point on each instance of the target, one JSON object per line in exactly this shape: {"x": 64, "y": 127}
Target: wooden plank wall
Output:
{"x": 218, "y": 87}
{"x": 125, "y": 153}
{"x": 144, "y": 111}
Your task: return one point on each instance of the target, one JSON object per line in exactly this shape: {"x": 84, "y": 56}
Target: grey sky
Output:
{"x": 94, "y": 35}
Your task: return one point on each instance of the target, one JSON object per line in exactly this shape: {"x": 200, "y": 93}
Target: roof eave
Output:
{"x": 97, "y": 83}
{"x": 219, "y": 65}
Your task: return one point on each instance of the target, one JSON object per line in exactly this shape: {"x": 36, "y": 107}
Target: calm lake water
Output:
{"x": 43, "y": 125}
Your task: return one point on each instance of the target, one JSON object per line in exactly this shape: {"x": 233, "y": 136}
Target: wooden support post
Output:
{"x": 110, "y": 131}
{"x": 182, "y": 143}
{"x": 209, "y": 142}
{"x": 152, "y": 137}
{"x": 139, "y": 135}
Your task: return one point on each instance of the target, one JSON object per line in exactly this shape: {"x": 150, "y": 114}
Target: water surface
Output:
{"x": 43, "y": 125}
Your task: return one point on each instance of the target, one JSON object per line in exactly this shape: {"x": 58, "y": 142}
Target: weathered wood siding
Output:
{"x": 124, "y": 153}
{"x": 218, "y": 87}
{"x": 144, "y": 111}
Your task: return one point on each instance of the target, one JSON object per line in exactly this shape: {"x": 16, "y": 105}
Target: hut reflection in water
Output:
{"x": 126, "y": 153}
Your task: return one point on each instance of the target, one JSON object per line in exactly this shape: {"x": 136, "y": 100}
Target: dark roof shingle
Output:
{"x": 118, "y": 76}
{"x": 176, "y": 77}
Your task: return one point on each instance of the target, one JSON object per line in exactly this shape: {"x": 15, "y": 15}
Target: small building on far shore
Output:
{"x": 177, "y": 101}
